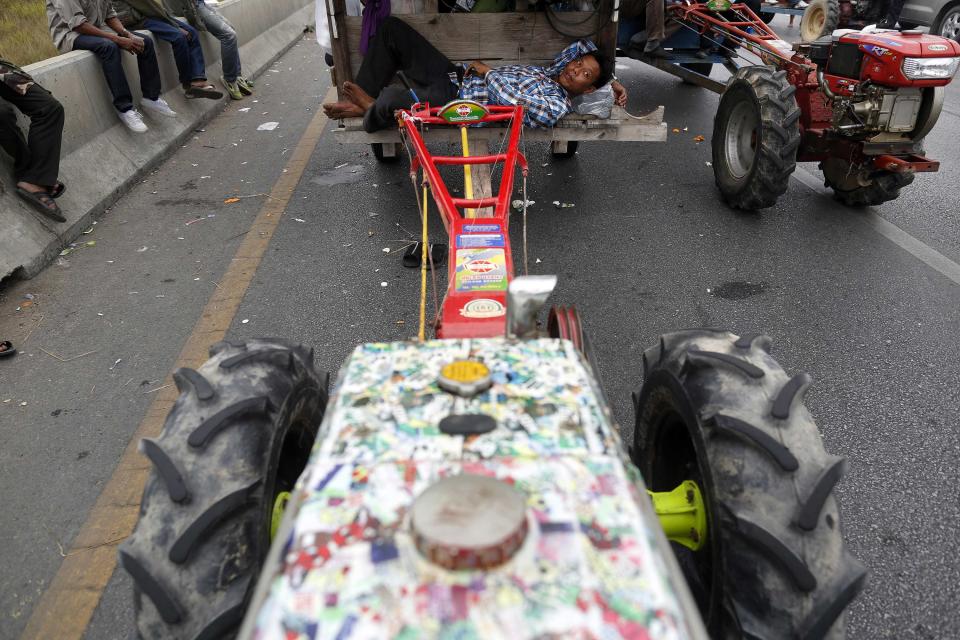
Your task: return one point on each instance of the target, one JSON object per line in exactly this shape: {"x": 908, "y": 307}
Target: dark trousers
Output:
{"x": 37, "y": 158}
{"x": 398, "y": 47}
{"x": 109, "y": 55}
{"x": 186, "y": 51}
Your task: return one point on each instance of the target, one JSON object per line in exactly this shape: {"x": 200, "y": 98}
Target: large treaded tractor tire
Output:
{"x": 861, "y": 188}
{"x": 756, "y": 134}
{"x": 720, "y": 411}
{"x": 239, "y": 434}
{"x": 820, "y": 18}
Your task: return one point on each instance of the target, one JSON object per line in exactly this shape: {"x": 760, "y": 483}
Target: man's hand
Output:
{"x": 132, "y": 44}
{"x": 619, "y": 93}
{"x": 478, "y": 67}
{"x": 186, "y": 34}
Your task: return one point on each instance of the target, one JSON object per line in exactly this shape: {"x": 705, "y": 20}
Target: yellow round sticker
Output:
{"x": 465, "y": 371}
{"x": 465, "y": 377}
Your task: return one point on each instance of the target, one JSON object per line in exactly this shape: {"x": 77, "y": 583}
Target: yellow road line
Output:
{"x": 65, "y": 609}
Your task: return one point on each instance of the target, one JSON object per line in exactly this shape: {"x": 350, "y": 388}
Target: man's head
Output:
{"x": 586, "y": 74}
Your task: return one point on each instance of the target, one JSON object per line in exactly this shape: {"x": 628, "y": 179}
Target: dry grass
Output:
{"x": 24, "y": 37}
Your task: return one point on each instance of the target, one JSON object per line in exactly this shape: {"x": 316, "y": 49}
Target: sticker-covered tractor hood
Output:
{"x": 583, "y": 559}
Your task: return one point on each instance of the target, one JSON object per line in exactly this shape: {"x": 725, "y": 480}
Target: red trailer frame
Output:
{"x": 481, "y": 264}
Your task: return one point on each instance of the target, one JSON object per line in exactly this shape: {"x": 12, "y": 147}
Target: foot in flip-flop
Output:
{"x": 203, "y": 91}
{"x": 57, "y": 190}
{"x": 6, "y": 349}
{"x": 42, "y": 202}
{"x": 357, "y": 96}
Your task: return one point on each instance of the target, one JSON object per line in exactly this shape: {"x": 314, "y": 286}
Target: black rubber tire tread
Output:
{"x": 759, "y": 563}
{"x": 167, "y": 469}
{"x": 217, "y": 347}
{"x": 884, "y": 187}
{"x": 795, "y": 387}
{"x": 226, "y": 418}
{"x": 812, "y": 504}
{"x": 747, "y": 341}
{"x": 206, "y": 521}
{"x": 221, "y": 534}
{"x": 831, "y": 9}
{"x": 758, "y": 438}
{"x": 223, "y": 624}
{"x": 768, "y": 544}
{"x": 835, "y": 600}
{"x": 187, "y": 378}
{"x": 695, "y": 356}
{"x": 167, "y": 607}
{"x": 283, "y": 357}
{"x": 776, "y": 146}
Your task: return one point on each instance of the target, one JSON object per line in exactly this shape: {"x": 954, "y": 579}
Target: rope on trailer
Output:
{"x": 526, "y": 264}
{"x": 424, "y": 246}
{"x": 424, "y": 250}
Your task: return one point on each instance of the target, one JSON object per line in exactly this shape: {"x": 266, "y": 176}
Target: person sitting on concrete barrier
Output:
{"x": 545, "y": 92}
{"x": 203, "y": 17}
{"x": 36, "y": 159}
{"x": 184, "y": 39}
{"x": 92, "y": 25}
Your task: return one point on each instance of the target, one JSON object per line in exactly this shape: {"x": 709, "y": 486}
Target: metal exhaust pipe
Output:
{"x": 525, "y": 298}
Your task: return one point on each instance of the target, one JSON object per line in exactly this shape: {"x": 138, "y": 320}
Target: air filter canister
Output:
{"x": 469, "y": 522}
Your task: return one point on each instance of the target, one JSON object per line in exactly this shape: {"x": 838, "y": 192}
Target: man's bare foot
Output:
{"x": 343, "y": 110}
{"x": 357, "y": 96}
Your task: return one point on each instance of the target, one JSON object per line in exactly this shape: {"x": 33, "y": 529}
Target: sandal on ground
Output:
{"x": 6, "y": 349}
{"x": 414, "y": 254}
{"x": 57, "y": 190}
{"x": 42, "y": 202}
{"x": 206, "y": 91}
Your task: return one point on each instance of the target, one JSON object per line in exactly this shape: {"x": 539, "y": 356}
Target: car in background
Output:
{"x": 941, "y": 16}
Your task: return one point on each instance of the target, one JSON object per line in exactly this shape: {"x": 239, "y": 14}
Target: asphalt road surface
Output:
{"x": 848, "y": 296}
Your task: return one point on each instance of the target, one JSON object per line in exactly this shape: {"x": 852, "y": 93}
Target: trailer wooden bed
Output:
{"x": 522, "y": 36}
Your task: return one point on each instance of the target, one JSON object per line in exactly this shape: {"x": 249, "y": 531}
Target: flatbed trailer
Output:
{"x": 522, "y": 36}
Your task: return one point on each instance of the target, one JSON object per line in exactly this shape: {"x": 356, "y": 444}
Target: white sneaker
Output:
{"x": 133, "y": 120}
{"x": 159, "y": 107}
{"x": 801, "y": 5}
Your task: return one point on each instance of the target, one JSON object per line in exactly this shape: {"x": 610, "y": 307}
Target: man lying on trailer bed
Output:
{"x": 544, "y": 92}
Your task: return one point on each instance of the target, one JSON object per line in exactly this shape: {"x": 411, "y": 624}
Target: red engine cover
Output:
{"x": 884, "y": 53}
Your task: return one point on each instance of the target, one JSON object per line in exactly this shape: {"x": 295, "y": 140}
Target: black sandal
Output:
{"x": 42, "y": 202}
{"x": 6, "y": 349}
{"x": 414, "y": 255}
{"x": 57, "y": 190}
{"x": 208, "y": 91}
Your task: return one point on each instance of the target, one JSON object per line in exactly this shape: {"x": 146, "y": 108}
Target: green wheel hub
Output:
{"x": 682, "y": 514}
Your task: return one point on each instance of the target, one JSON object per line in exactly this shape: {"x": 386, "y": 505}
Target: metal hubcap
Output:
{"x": 740, "y": 143}
{"x": 951, "y": 26}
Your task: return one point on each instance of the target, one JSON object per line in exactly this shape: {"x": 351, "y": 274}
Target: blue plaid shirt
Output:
{"x": 536, "y": 88}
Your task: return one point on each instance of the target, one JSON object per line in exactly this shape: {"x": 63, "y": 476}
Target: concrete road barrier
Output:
{"x": 101, "y": 159}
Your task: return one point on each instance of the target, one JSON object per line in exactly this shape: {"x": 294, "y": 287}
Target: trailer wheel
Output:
{"x": 564, "y": 150}
{"x": 386, "y": 152}
{"x": 819, "y": 19}
{"x": 862, "y": 188}
{"x": 236, "y": 440}
{"x": 756, "y": 134}
{"x": 720, "y": 411}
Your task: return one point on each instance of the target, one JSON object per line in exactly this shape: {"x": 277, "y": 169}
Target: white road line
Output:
{"x": 923, "y": 252}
